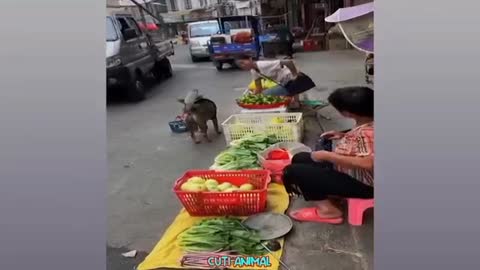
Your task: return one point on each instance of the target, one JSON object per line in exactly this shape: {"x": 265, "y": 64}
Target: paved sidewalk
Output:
{"x": 330, "y": 70}
{"x": 322, "y": 246}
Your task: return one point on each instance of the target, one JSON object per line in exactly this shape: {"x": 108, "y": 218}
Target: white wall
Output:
{"x": 181, "y": 4}
{"x": 196, "y": 4}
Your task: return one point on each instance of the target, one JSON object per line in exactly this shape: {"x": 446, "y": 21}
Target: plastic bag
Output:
{"x": 242, "y": 37}
{"x": 276, "y": 166}
{"x": 266, "y": 84}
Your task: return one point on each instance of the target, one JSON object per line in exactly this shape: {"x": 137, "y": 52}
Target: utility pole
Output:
{"x": 143, "y": 9}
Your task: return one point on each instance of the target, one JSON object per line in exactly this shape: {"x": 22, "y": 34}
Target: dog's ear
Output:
{"x": 181, "y": 100}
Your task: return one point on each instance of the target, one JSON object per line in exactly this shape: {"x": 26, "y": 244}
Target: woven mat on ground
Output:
{"x": 167, "y": 254}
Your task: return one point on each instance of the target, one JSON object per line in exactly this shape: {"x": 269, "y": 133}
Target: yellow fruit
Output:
{"x": 192, "y": 187}
{"x": 212, "y": 189}
{"x": 277, "y": 120}
{"x": 211, "y": 182}
{"x": 224, "y": 186}
{"x": 280, "y": 131}
{"x": 184, "y": 186}
{"x": 247, "y": 187}
{"x": 196, "y": 180}
{"x": 232, "y": 189}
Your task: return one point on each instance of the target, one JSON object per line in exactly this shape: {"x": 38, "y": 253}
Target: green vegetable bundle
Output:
{"x": 260, "y": 99}
{"x": 221, "y": 234}
{"x": 255, "y": 142}
{"x": 235, "y": 159}
{"x": 242, "y": 154}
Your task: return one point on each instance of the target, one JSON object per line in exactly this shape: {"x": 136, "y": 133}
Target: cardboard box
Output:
{"x": 337, "y": 44}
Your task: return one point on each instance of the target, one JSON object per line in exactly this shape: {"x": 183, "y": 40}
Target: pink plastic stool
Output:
{"x": 356, "y": 208}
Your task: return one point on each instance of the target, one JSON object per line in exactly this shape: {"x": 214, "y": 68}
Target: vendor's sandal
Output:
{"x": 311, "y": 214}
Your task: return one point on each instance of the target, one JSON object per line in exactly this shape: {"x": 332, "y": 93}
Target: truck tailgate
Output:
{"x": 234, "y": 48}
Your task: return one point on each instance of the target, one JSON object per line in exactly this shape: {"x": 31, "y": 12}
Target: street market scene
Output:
{"x": 240, "y": 134}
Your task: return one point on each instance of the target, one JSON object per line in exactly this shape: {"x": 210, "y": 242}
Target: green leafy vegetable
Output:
{"x": 221, "y": 234}
{"x": 260, "y": 99}
{"x": 242, "y": 154}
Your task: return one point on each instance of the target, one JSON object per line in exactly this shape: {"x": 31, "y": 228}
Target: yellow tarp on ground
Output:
{"x": 167, "y": 254}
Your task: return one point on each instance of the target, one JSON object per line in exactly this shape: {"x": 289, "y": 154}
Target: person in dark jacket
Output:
{"x": 285, "y": 35}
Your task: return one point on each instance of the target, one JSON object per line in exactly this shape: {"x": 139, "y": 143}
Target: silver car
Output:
{"x": 199, "y": 34}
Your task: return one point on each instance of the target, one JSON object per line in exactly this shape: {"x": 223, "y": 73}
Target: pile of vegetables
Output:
{"x": 221, "y": 234}
{"x": 260, "y": 99}
{"x": 198, "y": 184}
{"x": 255, "y": 142}
{"x": 242, "y": 154}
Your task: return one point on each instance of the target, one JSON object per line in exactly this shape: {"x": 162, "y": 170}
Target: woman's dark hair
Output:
{"x": 356, "y": 100}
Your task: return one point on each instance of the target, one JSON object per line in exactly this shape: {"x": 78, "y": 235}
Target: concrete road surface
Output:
{"x": 145, "y": 158}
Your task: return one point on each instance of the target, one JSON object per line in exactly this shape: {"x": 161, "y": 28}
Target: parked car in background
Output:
{"x": 199, "y": 34}
{"x": 132, "y": 55}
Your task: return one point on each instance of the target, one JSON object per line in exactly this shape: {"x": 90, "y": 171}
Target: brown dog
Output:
{"x": 199, "y": 111}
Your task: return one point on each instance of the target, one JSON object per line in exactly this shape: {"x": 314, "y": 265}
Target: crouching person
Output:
{"x": 290, "y": 81}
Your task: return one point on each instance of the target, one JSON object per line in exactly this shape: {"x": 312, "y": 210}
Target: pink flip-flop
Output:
{"x": 311, "y": 214}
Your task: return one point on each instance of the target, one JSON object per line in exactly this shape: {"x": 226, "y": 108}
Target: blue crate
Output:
{"x": 178, "y": 126}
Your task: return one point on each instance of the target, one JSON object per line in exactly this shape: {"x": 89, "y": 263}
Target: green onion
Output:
{"x": 221, "y": 234}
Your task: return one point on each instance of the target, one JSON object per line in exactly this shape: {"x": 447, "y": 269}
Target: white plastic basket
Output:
{"x": 282, "y": 109}
{"x": 288, "y": 127}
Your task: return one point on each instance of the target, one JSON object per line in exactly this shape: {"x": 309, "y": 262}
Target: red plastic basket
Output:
{"x": 311, "y": 45}
{"x": 238, "y": 203}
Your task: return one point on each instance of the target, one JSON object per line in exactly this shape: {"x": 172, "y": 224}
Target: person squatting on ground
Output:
{"x": 347, "y": 171}
{"x": 290, "y": 81}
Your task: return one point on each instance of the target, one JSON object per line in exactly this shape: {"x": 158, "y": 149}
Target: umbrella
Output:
{"x": 356, "y": 24}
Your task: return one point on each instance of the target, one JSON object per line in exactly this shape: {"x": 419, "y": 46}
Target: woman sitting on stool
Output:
{"x": 347, "y": 171}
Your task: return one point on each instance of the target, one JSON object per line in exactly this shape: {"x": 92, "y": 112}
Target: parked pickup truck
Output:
{"x": 133, "y": 54}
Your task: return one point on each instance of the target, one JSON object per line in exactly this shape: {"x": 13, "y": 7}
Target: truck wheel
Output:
{"x": 136, "y": 89}
{"x": 162, "y": 69}
{"x": 167, "y": 67}
{"x": 194, "y": 59}
{"x": 219, "y": 66}
{"x": 157, "y": 72}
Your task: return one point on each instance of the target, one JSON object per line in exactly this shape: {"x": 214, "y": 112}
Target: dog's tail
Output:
{"x": 192, "y": 96}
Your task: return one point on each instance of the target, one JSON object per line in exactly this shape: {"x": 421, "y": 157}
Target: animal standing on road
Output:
{"x": 199, "y": 111}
